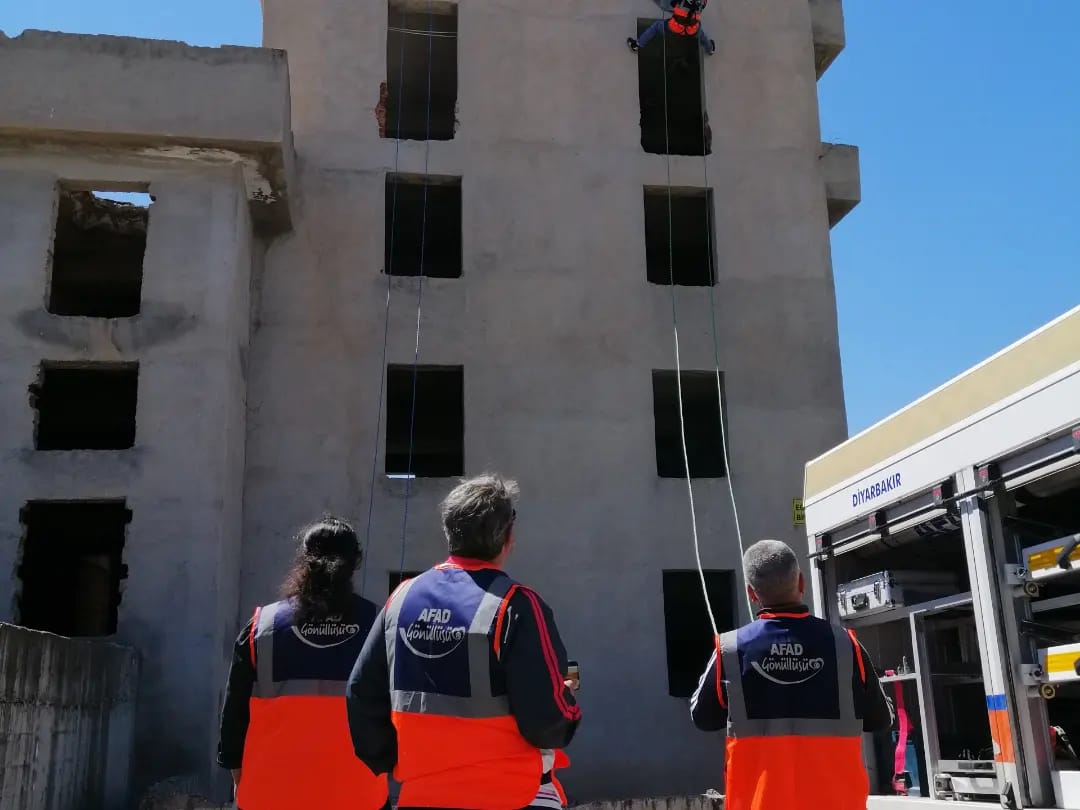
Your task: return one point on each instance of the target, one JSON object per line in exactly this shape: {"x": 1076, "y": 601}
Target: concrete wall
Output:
{"x": 67, "y": 711}
{"x": 556, "y": 327}
{"x": 157, "y": 99}
{"x": 183, "y": 478}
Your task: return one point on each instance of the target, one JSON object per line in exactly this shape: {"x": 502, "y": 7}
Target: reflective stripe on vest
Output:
{"x": 794, "y": 741}
{"x": 481, "y": 702}
{"x": 265, "y": 684}
{"x": 740, "y": 724}
{"x": 298, "y": 752}
{"x": 458, "y": 743}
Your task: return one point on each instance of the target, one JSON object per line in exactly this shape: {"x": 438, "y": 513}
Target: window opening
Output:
{"x": 72, "y": 566}
{"x": 701, "y": 410}
{"x": 687, "y": 630}
{"x": 690, "y": 235}
{"x": 685, "y": 134}
{"x": 427, "y": 44}
{"x": 395, "y": 578}
{"x": 408, "y": 228}
{"x": 438, "y": 447}
{"x": 85, "y": 407}
{"x": 97, "y": 256}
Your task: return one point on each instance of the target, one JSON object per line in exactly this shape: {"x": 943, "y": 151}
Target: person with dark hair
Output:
{"x": 284, "y": 734}
{"x": 463, "y": 688}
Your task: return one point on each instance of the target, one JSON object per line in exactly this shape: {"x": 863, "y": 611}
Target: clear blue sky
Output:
{"x": 966, "y": 113}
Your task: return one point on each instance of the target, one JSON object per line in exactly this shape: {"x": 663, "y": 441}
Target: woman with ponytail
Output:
{"x": 284, "y": 732}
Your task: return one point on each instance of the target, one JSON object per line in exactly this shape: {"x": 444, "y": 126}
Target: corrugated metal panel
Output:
{"x": 67, "y": 711}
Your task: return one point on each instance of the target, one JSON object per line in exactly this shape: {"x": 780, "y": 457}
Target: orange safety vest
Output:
{"x": 298, "y": 752}
{"x": 684, "y": 23}
{"x": 794, "y": 741}
{"x": 458, "y": 743}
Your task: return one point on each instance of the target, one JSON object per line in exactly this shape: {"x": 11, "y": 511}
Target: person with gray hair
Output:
{"x": 462, "y": 689}
{"x": 795, "y": 694}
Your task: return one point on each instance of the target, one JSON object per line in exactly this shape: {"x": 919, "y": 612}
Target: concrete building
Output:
{"x": 206, "y": 373}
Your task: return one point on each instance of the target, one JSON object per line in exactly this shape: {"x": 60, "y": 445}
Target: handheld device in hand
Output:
{"x": 573, "y": 673}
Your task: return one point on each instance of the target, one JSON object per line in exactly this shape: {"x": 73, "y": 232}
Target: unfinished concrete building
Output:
{"x": 186, "y": 381}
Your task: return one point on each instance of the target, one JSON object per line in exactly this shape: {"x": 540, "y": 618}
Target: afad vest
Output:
{"x": 684, "y": 23}
{"x": 794, "y": 741}
{"x": 458, "y": 744}
{"x": 298, "y": 752}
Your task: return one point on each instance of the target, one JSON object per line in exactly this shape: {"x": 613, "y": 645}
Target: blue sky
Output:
{"x": 966, "y": 114}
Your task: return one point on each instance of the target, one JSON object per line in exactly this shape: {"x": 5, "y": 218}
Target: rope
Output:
{"x": 678, "y": 355}
{"x": 419, "y": 298}
{"x": 716, "y": 343}
{"x": 415, "y": 32}
{"x": 386, "y": 317}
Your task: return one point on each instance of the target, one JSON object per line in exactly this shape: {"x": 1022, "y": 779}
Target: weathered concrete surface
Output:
{"x": 556, "y": 326}
{"x": 843, "y": 182}
{"x": 827, "y": 24}
{"x": 178, "y": 794}
{"x": 183, "y": 479}
{"x": 156, "y": 99}
{"x": 711, "y": 801}
{"x": 67, "y": 713}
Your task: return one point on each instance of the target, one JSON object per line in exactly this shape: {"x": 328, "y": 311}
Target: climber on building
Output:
{"x": 685, "y": 21}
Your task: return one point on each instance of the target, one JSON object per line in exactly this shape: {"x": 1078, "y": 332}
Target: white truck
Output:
{"x": 948, "y": 537}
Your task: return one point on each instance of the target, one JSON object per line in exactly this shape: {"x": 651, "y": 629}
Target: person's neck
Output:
{"x": 777, "y": 604}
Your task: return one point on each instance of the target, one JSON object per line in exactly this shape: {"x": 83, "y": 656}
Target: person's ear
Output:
{"x": 802, "y": 584}
{"x": 752, "y": 594}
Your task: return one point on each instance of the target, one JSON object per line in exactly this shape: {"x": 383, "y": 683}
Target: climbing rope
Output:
{"x": 386, "y": 313}
{"x": 678, "y": 354}
{"x": 716, "y": 342}
{"x": 419, "y": 295}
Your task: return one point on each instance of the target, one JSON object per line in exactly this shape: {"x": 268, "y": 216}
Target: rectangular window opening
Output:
{"x": 423, "y": 215}
{"x": 421, "y": 49}
{"x": 85, "y": 406}
{"x": 687, "y": 630}
{"x": 72, "y": 566}
{"x": 395, "y": 578}
{"x": 97, "y": 255}
{"x": 691, "y": 260}
{"x": 438, "y": 441}
{"x": 687, "y": 131}
{"x": 701, "y": 412}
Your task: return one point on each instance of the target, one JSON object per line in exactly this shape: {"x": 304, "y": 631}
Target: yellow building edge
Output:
{"x": 1040, "y": 354}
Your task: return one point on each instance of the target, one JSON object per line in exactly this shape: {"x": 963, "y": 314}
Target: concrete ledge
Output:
{"x": 827, "y": 23}
{"x": 843, "y": 183}
{"x": 155, "y": 98}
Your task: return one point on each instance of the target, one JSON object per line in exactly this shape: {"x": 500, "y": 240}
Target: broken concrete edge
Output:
{"x": 153, "y": 48}
{"x": 267, "y": 169}
{"x": 239, "y": 112}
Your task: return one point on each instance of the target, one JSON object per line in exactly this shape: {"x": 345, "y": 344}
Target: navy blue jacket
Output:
{"x": 523, "y": 674}
{"x": 870, "y": 701}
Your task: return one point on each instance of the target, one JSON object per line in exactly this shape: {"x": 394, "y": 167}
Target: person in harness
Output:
{"x": 685, "y": 21}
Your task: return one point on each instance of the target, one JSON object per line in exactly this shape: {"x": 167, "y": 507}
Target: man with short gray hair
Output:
{"x": 462, "y": 689}
{"x": 795, "y": 693}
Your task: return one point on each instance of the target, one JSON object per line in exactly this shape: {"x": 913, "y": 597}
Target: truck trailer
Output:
{"x": 948, "y": 537}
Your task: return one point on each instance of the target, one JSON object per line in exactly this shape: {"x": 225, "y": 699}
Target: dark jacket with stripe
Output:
{"x": 531, "y": 666}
